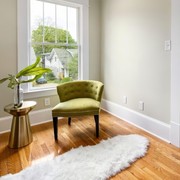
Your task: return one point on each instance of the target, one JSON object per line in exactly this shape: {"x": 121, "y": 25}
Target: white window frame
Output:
{"x": 23, "y": 42}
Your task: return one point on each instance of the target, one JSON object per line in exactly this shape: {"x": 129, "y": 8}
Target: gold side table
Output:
{"x": 20, "y": 134}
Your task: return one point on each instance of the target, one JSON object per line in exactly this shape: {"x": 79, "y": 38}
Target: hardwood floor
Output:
{"x": 161, "y": 162}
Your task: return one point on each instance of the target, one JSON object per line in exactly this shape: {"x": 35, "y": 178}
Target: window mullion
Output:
{"x": 43, "y": 32}
{"x": 55, "y": 23}
{"x": 66, "y": 25}
{"x": 43, "y": 24}
{"x": 49, "y": 43}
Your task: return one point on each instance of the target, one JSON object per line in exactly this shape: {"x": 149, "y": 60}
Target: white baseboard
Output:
{"x": 151, "y": 125}
{"x": 40, "y": 116}
{"x": 175, "y": 134}
{"x": 36, "y": 117}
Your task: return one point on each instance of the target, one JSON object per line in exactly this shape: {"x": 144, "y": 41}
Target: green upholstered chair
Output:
{"x": 78, "y": 98}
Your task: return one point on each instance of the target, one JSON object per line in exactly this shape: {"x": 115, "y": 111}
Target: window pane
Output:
{"x": 49, "y": 22}
{"x": 36, "y": 20}
{"x": 37, "y": 50}
{"x": 63, "y": 62}
{"x": 54, "y": 39}
{"x": 72, "y": 24}
{"x": 61, "y": 23}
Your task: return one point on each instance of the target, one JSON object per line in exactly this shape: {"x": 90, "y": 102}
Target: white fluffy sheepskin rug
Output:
{"x": 97, "y": 162}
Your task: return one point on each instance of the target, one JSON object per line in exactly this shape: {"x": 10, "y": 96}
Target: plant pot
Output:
{"x": 18, "y": 96}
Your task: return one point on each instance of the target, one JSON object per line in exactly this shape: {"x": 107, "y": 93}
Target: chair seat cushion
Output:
{"x": 76, "y": 107}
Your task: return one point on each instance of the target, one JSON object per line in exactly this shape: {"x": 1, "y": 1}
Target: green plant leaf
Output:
{"x": 36, "y": 71}
{"x": 23, "y": 71}
{"x": 12, "y": 81}
{"x": 32, "y": 79}
{"x": 31, "y": 70}
{"x": 3, "y": 80}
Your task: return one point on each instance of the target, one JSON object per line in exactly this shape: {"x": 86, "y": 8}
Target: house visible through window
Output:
{"x": 55, "y": 38}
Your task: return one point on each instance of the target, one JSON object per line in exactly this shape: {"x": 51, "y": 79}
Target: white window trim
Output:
{"x": 22, "y": 43}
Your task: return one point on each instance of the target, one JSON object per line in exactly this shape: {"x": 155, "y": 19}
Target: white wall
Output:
{"x": 133, "y": 60}
{"x": 175, "y": 74}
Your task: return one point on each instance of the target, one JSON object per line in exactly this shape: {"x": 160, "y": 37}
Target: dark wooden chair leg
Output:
{"x": 69, "y": 121}
{"x": 55, "y": 125}
{"x": 96, "y": 118}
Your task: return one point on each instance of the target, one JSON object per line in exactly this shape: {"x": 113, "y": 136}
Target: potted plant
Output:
{"x": 15, "y": 81}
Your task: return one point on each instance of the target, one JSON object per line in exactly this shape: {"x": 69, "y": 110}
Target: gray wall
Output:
{"x": 133, "y": 60}
{"x": 94, "y": 40}
{"x": 8, "y": 51}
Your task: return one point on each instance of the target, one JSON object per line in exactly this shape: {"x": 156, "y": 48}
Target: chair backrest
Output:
{"x": 80, "y": 89}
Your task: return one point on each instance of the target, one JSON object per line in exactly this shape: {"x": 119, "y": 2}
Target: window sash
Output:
{"x": 24, "y": 44}
{"x": 43, "y": 43}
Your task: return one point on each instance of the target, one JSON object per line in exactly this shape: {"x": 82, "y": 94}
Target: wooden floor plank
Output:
{"x": 162, "y": 160}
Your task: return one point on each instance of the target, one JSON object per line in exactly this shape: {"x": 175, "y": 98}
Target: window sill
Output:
{"x": 40, "y": 93}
